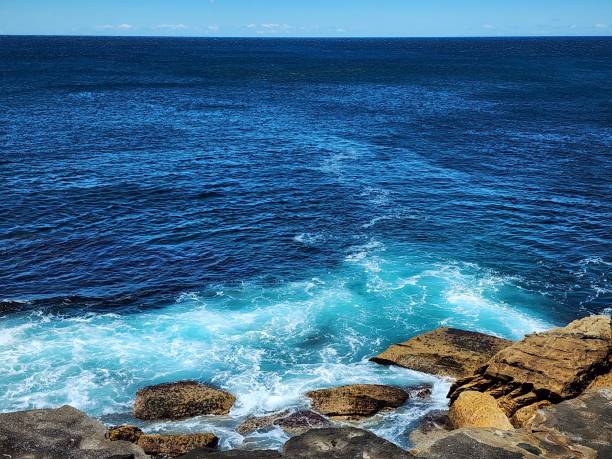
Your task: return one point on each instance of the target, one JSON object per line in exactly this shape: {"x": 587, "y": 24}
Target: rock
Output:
{"x": 586, "y": 420}
{"x": 292, "y": 423}
{"x": 341, "y": 443}
{"x": 523, "y": 415}
{"x": 444, "y": 352}
{"x": 555, "y": 365}
{"x": 500, "y": 444}
{"x": 232, "y": 454}
{"x": 62, "y": 433}
{"x": 601, "y": 382}
{"x": 176, "y": 445}
{"x": 356, "y": 401}
{"x": 124, "y": 433}
{"x": 181, "y": 400}
{"x": 431, "y": 426}
{"x": 422, "y": 391}
{"x": 475, "y": 409}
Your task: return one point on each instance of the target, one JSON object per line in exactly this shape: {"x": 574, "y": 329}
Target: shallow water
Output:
{"x": 265, "y": 215}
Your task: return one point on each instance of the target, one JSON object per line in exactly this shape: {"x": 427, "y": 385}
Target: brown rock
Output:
{"x": 500, "y": 444}
{"x": 356, "y": 401}
{"x": 292, "y": 423}
{"x": 475, "y": 409}
{"x": 444, "y": 352}
{"x": 554, "y": 365}
{"x": 232, "y": 454}
{"x": 421, "y": 391}
{"x": 525, "y": 414}
{"x": 176, "y": 445}
{"x": 181, "y": 400}
{"x": 601, "y": 382}
{"x": 430, "y": 427}
{"x": 124, "y": 433}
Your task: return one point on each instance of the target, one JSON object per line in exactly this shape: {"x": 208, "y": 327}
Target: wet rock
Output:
{"x": 500, "y": 444}
{"x": 356, "y": 401}
{"x": 124, "y": 433}
{"x": 181, "y": 400}
{"x": 444, "y": 352}
{"x": 341, "y": 443}
{"x": 554, "y": 365}
{"x": 475, "y": 409}
{"x": 431, "y": 426}
{"x": 586, "y": 420}
{"x": 232, "y": 454}
{"x": 62, "y": 433}
{"x": 176, "y": 445}
{"x": 293, "y": 423}
{"x": 422, "y": 391}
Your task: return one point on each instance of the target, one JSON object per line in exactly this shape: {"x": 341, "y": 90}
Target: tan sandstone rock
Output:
{"x": 475, "y": 409}
{"x": 601, "y": 382}
{"x": 176, "y": 445}
{"x": 356, "y": 401}
{"x": 523, "y": 415}
{"x": 124, "y": 433}
{"x": 444, "y": 352}
{"x": 181, "y": 400}
{"x": 554, "y": 365}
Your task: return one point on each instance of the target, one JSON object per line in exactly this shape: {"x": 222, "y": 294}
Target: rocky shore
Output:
{"x": 548, "y": 395}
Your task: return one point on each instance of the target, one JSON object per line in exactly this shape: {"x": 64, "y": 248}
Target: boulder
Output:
{"x": 176, "y": 445}
{"x": 586, "y": 420}
{"x": 444, "y": 352}
{"x": 62, "y": 433}
{"x": 293, "y": 423}
{"x": 181, "y": 400}
{"x": 341, "y": 443}
{"x": 357, "y": 400}
{"x": 232, "y": 454}
{"x": 554, "y": 365}
{"x": 124, "y": 433}
{"x": 475, "y": 409}
{"x": 500, "y": 444}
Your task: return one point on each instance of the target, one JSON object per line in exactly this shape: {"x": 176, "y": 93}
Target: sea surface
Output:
{"x": 265, "y": 215}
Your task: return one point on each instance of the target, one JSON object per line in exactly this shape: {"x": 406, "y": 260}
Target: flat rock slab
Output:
{"x": 553, "y": 365}
{"x": 444, "y": 352}
{"x": 500, "y": 444}
{"x": 357, "y": 400}
{"x": 586, "y": 420}
{"x": 176, "y": 445}
{"x": 341, "y": 443}
{"x": 180, "y": 400}
{"x": 293, "y": 423}
{"x": 62, "y": 433}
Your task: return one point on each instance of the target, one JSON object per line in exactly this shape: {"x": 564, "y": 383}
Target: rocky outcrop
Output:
{"x": 500, "y": 444}
{"x": 62, "y": 433}
{"x": 523, "y": 415}
{"x": 433, "y": 425}
{"x": 293, "y": 423}
{"x": 176, "y": 445}
{"x": 124, "y": 433}
{"x": 586, "y": 420}
{"x": 555, "y": 365}
{"x": 444, "y": 352}
{"x": 356, "y": 401}
{"x": 342, "y": 443}
{"x": 475, "y": 409}
{"x": 181, "y": 400}
{"x": 601, "y": 382}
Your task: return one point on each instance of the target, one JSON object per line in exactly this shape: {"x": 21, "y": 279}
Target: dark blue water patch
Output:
{"x": 136, "y": 169}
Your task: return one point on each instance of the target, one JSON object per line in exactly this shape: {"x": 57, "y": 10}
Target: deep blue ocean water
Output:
{"x": 267, "y": 214}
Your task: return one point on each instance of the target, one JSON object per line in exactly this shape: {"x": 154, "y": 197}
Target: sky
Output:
{"x": 306, "y": 18}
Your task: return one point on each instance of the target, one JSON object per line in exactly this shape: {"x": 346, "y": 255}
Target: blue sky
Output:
{"x": 278, "y": 18}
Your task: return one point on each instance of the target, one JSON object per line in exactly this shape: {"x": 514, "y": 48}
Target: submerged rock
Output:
{"x": 356, "y": 401}
{"x": 176, "y": 445}
{"x": 422, "y": 391}
{"x": 181, "y": 400}
{"x": 444, "y": 352}
{"x": 500, "y": 444}
{"x": 341, "y": 443}
{"x": 586, "y": 420}
{"x": 62, "y": 433}
{"x": 293, "y": 423}
{"x": 554, "y": 365}
{"x": 475, "y": 409}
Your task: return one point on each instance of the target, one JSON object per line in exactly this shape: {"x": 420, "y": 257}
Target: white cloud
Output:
{"x": 213, "y": 28}
{"x": 488, "y": 26}
{"x": 115, "y": 27}
{"x": 340, "y": 30}
{"x": 601, "y": 26}
{"x": 270, "y": 28}
{"x": 172, "y": 26}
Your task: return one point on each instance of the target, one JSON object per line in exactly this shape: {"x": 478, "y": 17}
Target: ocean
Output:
{"x": 266, "y": 214}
